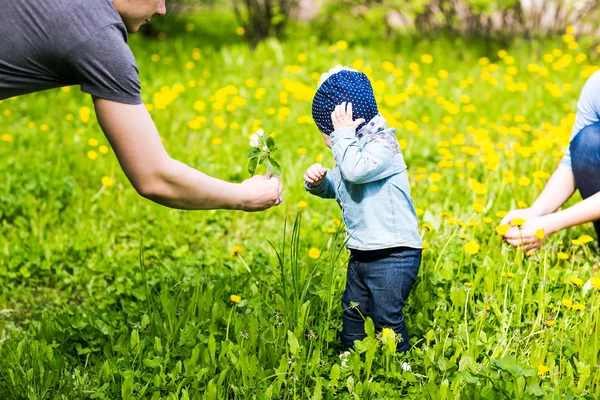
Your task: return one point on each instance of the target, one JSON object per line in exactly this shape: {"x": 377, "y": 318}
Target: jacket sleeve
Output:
{"x": 326, "y": 189}
{"x": 371, "y": 163}
{"x": 588, "y": 110}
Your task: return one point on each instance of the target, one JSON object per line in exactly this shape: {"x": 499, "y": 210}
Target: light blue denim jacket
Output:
{"x": 370, "y": 183}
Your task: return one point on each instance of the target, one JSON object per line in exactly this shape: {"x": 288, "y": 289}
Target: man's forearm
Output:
{"x": 179, "y": 186}
{"x": 558, "y": 190}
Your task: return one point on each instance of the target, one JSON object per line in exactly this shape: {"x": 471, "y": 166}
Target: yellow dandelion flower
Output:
{"x": 550, "y": 323}
{"x": 472, "y": 248}
{"x": 7, "y": 138}
{"x": 578, "y": 307}
{"x": 542, "y": 369}
{"x": 342, "y": 45}
{"x": 517, "y": 221}
{"x": 388, "y": 333}
{"x": 236, "y": 251}
{"x": 502, "y": 229}
{"x": 562, "y": 256}
{"x": 585, "y": 239}
{"x": 540, "y": 234}
{"x": 302, "y": 204}
{"x": 103, "y": 149}
{"x": 508, "y": 275}
{"x": 217, "y": 141}
{"x": 93, "y": 142}
{"x": 595, "y": 283}
{"x": 426, "y": 58}
{"x": 577, "y": 281}
{"x": 488, "y": 220}
{"x": 501, "y": 214}
{"x": 301, "y": 150}
{"x": 240, "y": 31}
{"x": 235, "y": 298}
{"x": 107, "y": 181}
{"x": 478, "y": 207}
{"x": 314, "y": 253}
{"x": 92, "y": 154}
{"x": 567, "y": 303}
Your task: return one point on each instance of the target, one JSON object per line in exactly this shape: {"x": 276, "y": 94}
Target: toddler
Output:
{"x": 370, "y": 183}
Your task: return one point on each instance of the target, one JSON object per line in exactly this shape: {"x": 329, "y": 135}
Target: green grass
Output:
{"x": 106, "y": 295}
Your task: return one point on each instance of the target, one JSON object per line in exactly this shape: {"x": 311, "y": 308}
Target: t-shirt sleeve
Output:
{"x": 105, "y": 67}
{"x": 588, "y": 109}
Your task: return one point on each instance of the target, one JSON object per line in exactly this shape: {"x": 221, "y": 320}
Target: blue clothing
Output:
{"x": 344, "y": 86}
{"x": 585, "y": 152}
{"x": 588, "y": 112}
{"x": 370, "y": 183}
{"x": 379, "y": 289}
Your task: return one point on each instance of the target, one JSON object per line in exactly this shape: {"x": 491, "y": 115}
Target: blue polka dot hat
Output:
{"x": 349, "y": 86}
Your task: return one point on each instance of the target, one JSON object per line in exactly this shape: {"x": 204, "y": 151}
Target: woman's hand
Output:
{"x": 532, "y": 233}
{"x": 524, "y": 213}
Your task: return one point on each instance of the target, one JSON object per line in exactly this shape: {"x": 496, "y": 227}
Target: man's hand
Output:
{"x": 260, "y": 192}
{"x": 342, "y": 117}
{"x": 532, "y": 233}
{"x": 314, "y": 175}
{"x": 156, "y": 176}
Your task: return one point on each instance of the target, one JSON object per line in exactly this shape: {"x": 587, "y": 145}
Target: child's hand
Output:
{"x": 314, "y": 175}
{"x": 342, "y": 117}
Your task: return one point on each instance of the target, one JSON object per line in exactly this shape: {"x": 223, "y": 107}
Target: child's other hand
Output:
{"x": 342, "y": 117}
{"x": 315, "y": 174}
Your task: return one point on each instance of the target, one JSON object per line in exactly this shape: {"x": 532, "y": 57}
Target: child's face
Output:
{"x": 327, "y": 140}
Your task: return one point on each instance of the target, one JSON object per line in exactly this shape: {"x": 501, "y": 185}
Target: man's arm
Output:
{"x": 156, "y": 176}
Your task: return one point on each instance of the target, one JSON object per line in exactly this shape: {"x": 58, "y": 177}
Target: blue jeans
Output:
{"x": 379, "y": 289}
{"x": 585, "y": 161}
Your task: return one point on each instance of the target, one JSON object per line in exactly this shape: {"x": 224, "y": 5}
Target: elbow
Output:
{"x": 353, "y": 176}
{"x": 153, "y": 187}
{"x": 150, "y": 188}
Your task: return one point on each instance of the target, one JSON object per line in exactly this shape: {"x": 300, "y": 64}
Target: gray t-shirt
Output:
{"x": 47, "y": 44}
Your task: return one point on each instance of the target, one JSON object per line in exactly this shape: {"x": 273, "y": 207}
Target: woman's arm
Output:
{"x": 585, "y": 211}
{"x": 558, "y": 190}
{"x": 156, "y": 176}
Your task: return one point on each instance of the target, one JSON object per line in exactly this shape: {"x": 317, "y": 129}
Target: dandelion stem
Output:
{"x": 244, "y": 262}
{"x": 228, "y": 321}
{"x": 466, "y": 324}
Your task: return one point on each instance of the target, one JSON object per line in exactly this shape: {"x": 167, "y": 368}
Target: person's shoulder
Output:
{"x": 593, "y": 80}
{"x": 89, "y": 19}
{"x": 387, "y": 137}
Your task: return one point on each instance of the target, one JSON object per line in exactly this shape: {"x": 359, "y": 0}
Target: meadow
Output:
{"x": 105, "y": 295}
